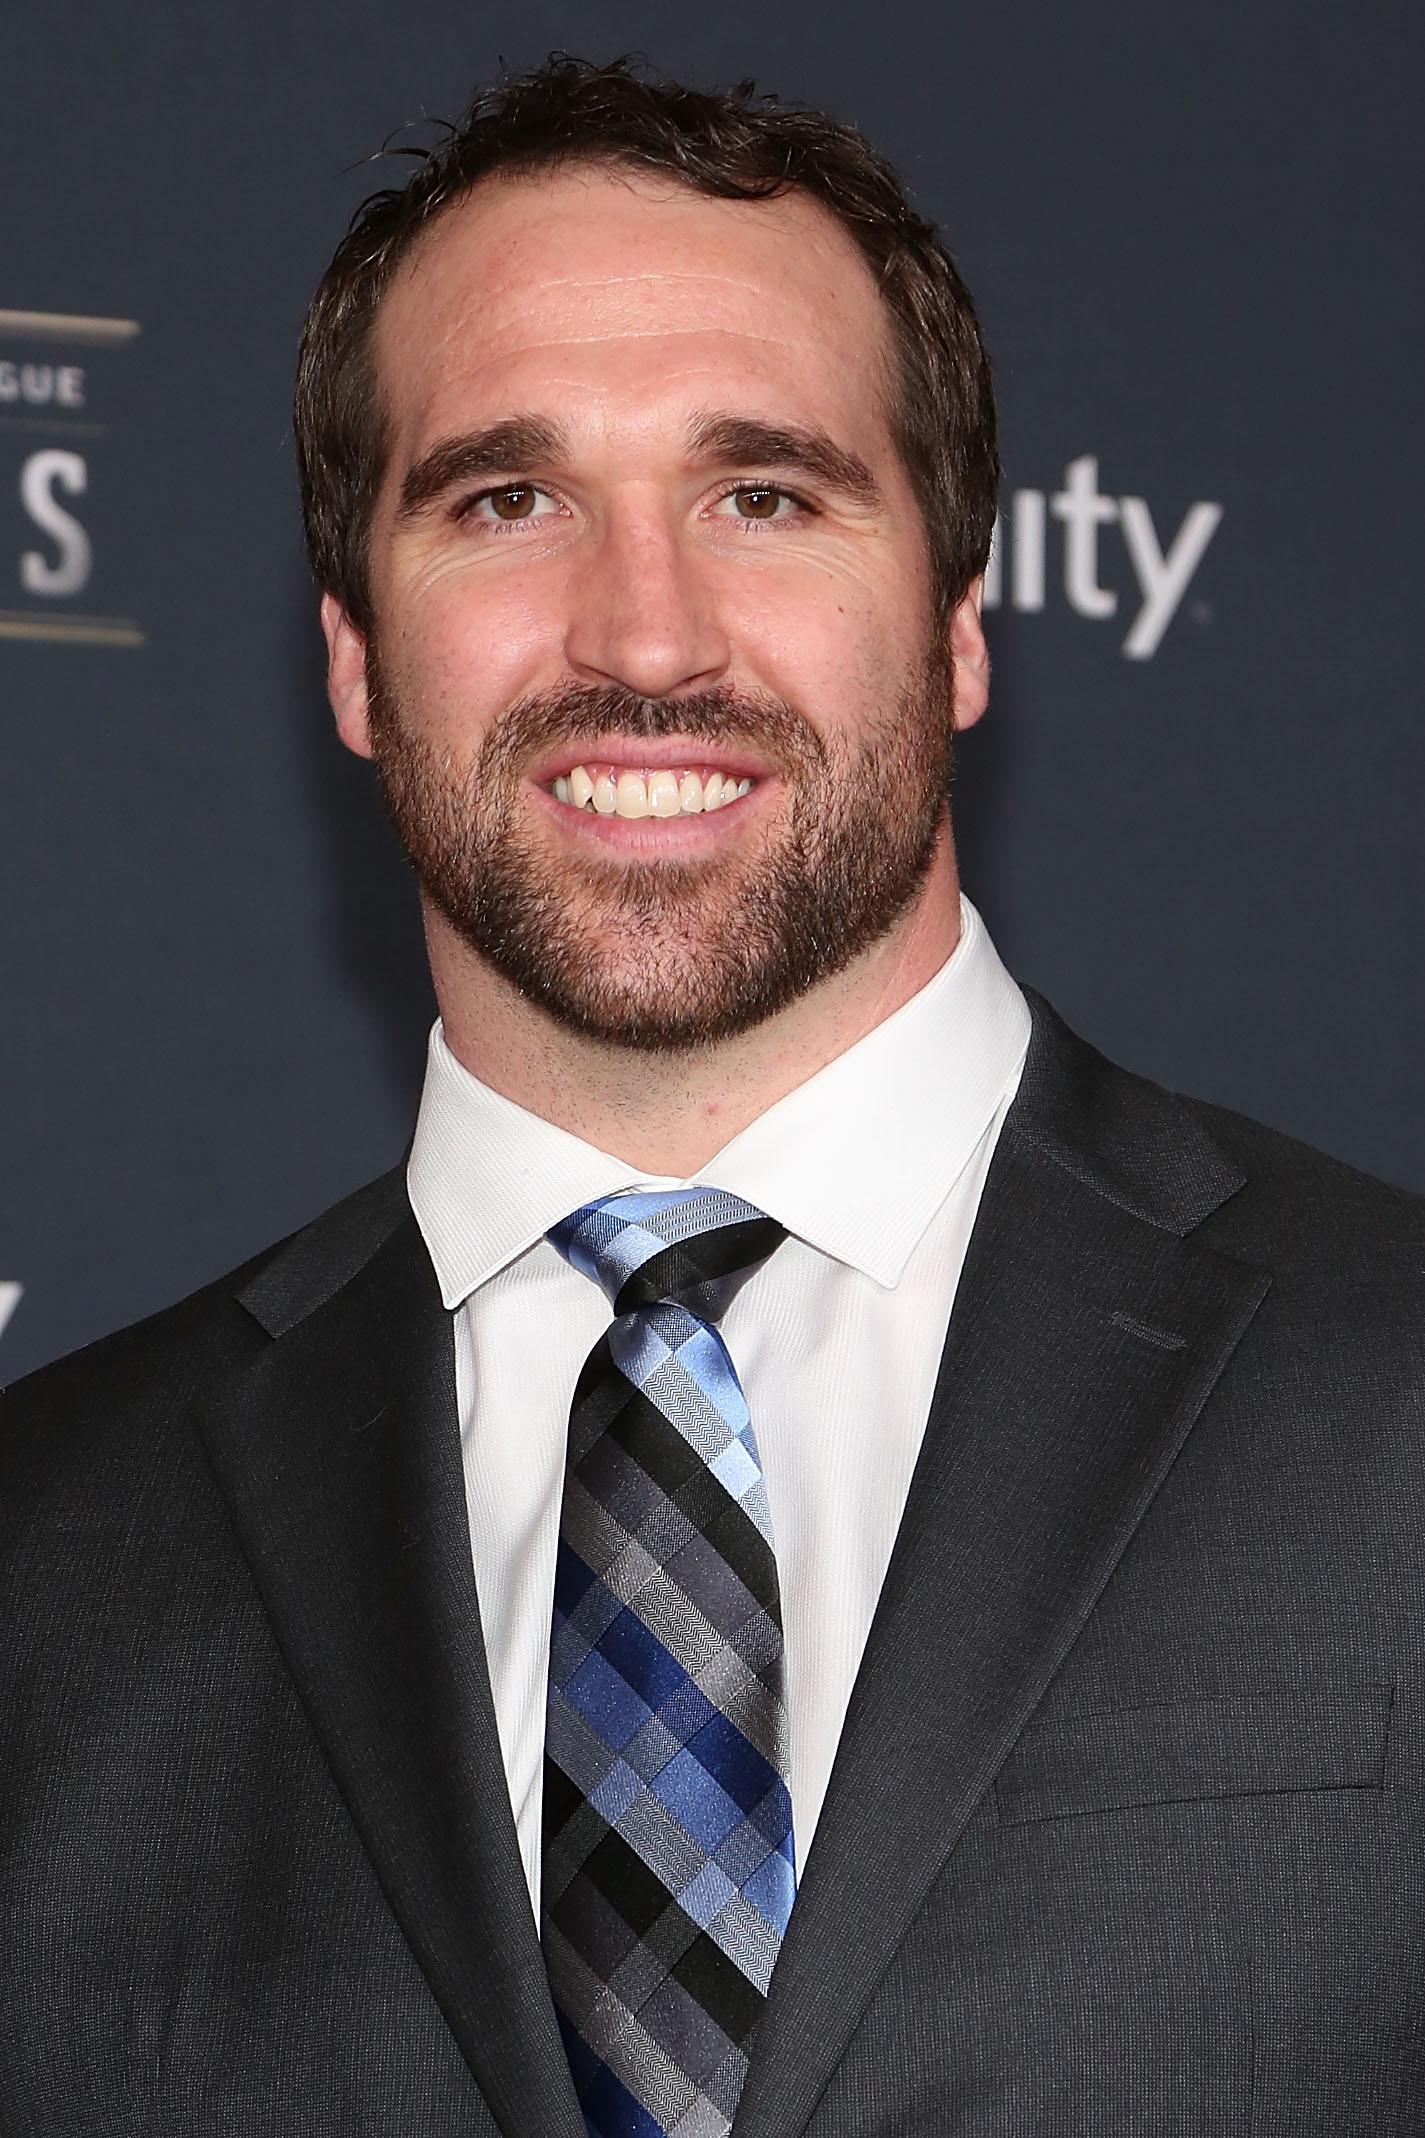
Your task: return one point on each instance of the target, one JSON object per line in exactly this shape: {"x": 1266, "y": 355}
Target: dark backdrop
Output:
{"x": 1194, "y": 233}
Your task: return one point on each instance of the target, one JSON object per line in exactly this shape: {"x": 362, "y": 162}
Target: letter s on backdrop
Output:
{"x": 38, "y": 478}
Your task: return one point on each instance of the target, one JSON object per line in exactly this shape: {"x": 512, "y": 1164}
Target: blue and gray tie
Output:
{"x": 668, "y": 1869}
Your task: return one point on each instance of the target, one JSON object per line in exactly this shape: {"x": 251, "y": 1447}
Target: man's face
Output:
{"x": 654, "y": 689}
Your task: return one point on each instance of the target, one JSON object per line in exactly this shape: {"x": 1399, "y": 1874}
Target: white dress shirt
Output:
{"x": 875, "y": 1167}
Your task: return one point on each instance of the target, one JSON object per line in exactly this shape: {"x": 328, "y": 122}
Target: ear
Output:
{"x": 969, "y": 658}
{"x": 346, "y": 676}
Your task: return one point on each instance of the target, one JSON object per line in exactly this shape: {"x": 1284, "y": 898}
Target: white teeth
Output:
{"x": 657, "y": 794}
{"x": 631, "y": 795}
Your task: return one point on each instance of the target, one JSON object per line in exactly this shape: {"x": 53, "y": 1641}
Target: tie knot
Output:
{"x": 695, "y": 1246}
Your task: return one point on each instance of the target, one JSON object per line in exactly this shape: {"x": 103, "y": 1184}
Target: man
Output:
{"x": 583, "y": 1636}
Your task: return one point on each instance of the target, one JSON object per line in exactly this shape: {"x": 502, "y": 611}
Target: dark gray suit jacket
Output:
{"x": 1126, "y": 1832}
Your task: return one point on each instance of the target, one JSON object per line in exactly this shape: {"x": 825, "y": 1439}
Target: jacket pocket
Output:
{"x": 1179, "y": 1751}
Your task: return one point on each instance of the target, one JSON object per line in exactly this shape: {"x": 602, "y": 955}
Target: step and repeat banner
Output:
{"x": 1193, "y": 817}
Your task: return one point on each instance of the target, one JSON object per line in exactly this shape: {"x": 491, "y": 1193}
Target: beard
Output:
{"x": 668, "y": 954}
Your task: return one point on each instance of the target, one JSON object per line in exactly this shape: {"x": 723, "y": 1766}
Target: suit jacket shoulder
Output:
{"x": 1307, "y": 1207}
{"x": 152, "y": 1368}
{"x": 1258, "y": 1193}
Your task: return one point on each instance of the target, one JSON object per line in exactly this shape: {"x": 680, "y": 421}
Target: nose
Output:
{"x": 642, "y": 614}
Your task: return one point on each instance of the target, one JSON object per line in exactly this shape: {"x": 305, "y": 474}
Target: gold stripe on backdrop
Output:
{"x": 65, "y": 326}
{"x": 71, "y": 630}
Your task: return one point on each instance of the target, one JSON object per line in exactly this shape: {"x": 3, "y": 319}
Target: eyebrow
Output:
{"x": 518, "y": 443}
{"x": 506, "y": 448}
{"x": 749, "y": 443}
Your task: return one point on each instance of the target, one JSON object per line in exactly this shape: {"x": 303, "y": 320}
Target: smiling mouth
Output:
{"x": 607, "y": 790}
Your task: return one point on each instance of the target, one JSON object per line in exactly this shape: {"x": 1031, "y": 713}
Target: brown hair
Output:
{"x": 732, "y": 145}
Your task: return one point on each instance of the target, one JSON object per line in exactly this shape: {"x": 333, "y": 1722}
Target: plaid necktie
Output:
{"x": 668, "y": 1868}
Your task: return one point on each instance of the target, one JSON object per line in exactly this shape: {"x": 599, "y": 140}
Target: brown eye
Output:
{"x": 516, "y": 503}
{"x": 757, "y": 501}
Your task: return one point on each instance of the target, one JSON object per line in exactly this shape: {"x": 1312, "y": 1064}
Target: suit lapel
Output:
{"x": 1086, "y": 1336}
{"x": 339, "y": 1454}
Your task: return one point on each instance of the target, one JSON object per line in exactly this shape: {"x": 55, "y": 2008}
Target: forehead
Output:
{"x": 609, "y": 290}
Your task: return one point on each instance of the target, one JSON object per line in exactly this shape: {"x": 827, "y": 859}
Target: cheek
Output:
{"x": 826, "y": 639}
{"x": 464, "y": 644}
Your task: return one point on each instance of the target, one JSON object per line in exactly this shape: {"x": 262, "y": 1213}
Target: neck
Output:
{"x": 669, "y": 1113}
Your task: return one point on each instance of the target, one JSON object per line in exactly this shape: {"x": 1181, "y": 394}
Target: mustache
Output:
{"x": 723, "y": 714}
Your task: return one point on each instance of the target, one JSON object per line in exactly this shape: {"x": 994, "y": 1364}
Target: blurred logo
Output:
{"x": 1162, "y": 569}
{"x": 53, "y": 432}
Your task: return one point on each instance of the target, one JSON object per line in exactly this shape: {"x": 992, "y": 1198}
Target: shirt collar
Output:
{"x": 856, "y": 1161}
